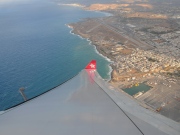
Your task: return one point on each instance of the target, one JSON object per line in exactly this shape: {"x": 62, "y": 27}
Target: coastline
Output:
{"x": 135, "y": 61}
{"x": 96, "y": 50}
{"x": 97, "y": 11}
{"x": 73, "y": 5}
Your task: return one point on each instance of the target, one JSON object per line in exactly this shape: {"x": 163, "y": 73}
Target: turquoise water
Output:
{"x": 37, "y": 50}
{"x": 135, "y": 89}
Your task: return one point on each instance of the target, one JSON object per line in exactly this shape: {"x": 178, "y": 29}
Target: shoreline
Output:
{"x": 91, "y": 42}
{"x": 96, "y": 51}
{"x": 135, "y": 61}
{"x": 97, "y": 11}
{"x": 72, "y": 5}
{"x": 83, "y": 7}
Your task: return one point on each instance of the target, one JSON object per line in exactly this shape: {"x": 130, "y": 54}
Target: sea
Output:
{"x": 38, "y": 50}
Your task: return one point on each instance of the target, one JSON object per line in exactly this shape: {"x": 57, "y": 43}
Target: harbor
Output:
{"x": 137, "y": 89}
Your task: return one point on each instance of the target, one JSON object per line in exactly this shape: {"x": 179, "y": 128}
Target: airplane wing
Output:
{"x": 84, "y": 105}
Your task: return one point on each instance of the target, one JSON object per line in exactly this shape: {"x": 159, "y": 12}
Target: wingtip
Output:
{"x": 91, "y": 65}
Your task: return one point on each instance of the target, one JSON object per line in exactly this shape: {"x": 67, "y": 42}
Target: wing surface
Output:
{"x": 80, "y": 106}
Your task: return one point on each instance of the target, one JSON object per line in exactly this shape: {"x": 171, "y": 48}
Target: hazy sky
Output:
{"x": 6, "y": 1}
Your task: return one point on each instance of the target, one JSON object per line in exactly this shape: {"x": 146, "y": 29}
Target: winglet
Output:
{"x": 91, "y": 65}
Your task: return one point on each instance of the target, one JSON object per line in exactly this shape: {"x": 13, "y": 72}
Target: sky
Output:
{"x": 5, "y": 1}
{"x": 10, "y": 1}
